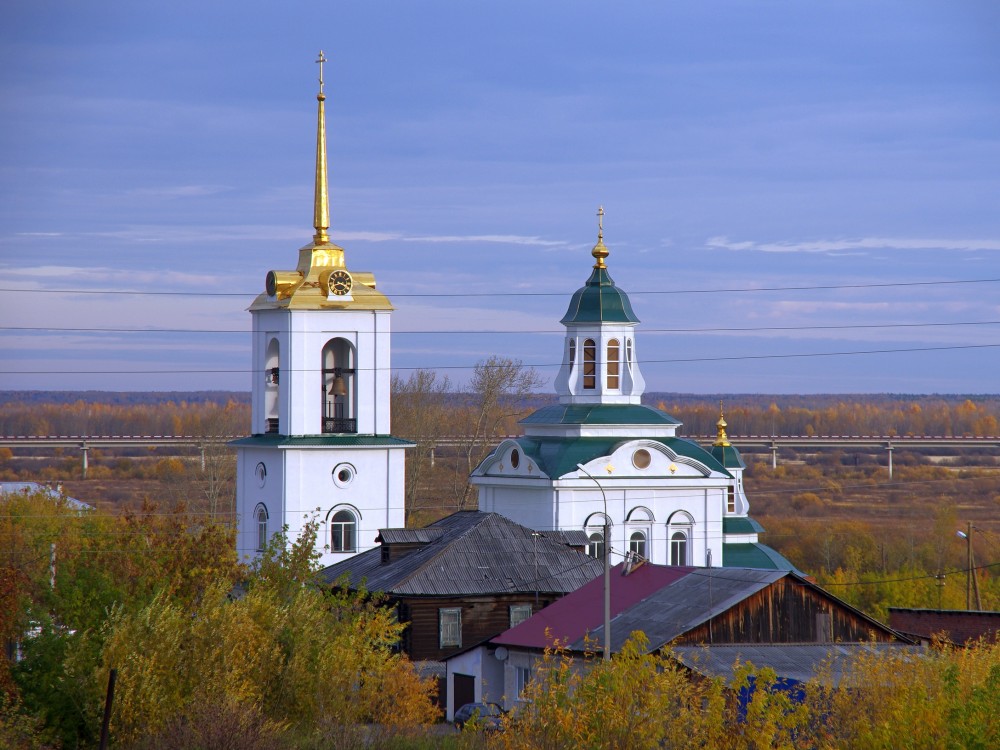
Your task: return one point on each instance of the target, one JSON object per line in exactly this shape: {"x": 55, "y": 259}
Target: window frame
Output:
{"x": 679, "y": 540}
{"x": 637, "y": 543}
{"x": 339, "y": 528}
{"x": 612, "y": 367}
{"x": 450, "y": 627}
{"x": 589, "y": 365}
{"x": 261, "y": 517}
{"x": 518, "y": 613}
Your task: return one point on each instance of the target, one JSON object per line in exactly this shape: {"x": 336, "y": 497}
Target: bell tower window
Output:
{"x": 572, "y": 354}
{"x": 271, "y": 393}
{"x": 338, "y": 382}
{"x": 613, "y": 366}
{"x": 589, "y": 365}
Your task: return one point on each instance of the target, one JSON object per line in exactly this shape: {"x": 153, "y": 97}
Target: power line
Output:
{"x": 734, "y": 358}
{"x": 485, "y": 331}
{"x": 442, "y": 295}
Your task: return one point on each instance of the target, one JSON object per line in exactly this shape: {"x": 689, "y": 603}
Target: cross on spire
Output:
{"x": 600, "y": 223}
{"x": 320, "y": 60}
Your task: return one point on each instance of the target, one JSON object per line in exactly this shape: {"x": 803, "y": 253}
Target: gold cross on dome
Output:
{"x": 600, "y": 222}
{"x": 320, "y": 60}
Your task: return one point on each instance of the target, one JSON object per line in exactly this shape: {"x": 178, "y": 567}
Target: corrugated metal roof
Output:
{"x": 408, "y": 536}
{"x": 799, "y": 661}
{"x": 475, "y": 554}
{"x": 685, "y": 604}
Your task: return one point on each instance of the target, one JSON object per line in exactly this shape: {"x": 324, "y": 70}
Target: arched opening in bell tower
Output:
{"x": 339, "y": 387}
{"x": 272, "y": 361}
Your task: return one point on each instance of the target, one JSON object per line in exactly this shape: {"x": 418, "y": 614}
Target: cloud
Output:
{"x": 848, "y": 245}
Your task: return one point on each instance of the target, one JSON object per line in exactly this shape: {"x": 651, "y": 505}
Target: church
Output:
{"x": 321, "y": 447}
{"x": 598, "y": 461}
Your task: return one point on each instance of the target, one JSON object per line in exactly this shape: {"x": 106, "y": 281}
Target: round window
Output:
{"x": 515, "y": 458}
{"x": 261, "y": 473}
{"x": 641, "y": 459}
{"x": 343, "y": 474}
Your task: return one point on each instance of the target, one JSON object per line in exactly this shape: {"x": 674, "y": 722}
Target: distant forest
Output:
{"x": 228, "y": 413}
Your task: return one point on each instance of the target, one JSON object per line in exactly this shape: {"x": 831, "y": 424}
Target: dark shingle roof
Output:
{"x": 475, "y": 554}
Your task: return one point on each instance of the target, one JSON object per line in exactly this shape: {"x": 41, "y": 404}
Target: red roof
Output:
{"x": 572, "y": 617}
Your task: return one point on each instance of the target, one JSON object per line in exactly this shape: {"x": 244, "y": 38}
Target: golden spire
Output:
{"x": 721, "y": 439}
{"x": 600, "y": 251}
{"x": 321, "y": 196}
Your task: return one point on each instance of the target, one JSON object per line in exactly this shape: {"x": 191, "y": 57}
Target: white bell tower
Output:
{"x": 321, "y": 447}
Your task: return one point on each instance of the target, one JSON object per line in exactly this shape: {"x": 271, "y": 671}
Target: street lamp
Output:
{"x": 970, "y": 570}
{"x": 607, "y": 567}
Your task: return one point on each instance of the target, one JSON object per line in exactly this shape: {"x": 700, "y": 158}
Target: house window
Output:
{"x": 596, "y": 546}
{"x": 589, "y": 365}
{"x": 731, "y": 500}
{"x": 343, "y": 528}
{"x": 637, "y": 544}
{"x": 519, "y": 613}
{"x": 261, "y": 528}
{"x": 450, "y": 626}
{"x": 522, "y": 676}
{"x": 612, "y": 364}
{"x": 572, "y": 354}
{"x": 678, "y": 548}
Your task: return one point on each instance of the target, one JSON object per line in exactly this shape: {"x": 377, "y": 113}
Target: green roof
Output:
{"x": 600, "y": 301}
{"x": 728, "y": 456}
{"x": 559, "y": 456}
{"x": 599, "y": 414}
{"x": 322, "y": 441}
{"x": 754, "y": 555}
{"x": 740, "y": 525}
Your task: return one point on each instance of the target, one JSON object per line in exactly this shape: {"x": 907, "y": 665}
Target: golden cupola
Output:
{"x": 321, "y": 279}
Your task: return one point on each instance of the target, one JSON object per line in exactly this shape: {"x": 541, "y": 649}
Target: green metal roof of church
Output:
{"x": 755, "y": 555}
{"x": 556, "y": 456}
{"x": 728, "y": 456}
{"x": 598, "y": 414}
{"x": 599, "y": 301}
{"x": 741, "y": 525}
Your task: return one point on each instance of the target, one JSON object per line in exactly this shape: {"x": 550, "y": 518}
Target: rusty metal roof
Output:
{"x": 475, "y": 554}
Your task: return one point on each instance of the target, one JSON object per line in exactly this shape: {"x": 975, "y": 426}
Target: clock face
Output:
{"x": 340, "y": 283}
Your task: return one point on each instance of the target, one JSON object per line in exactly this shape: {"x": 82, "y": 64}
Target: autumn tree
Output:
{"x": 497, "y": 392}
{"x": 420, "y": 413}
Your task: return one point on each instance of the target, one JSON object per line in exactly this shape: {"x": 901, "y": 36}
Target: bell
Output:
{"x": 338, "y": 387}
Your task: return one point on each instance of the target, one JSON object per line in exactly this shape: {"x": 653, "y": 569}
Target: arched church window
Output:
{"x": 678, "y": 548}
{"x": 572, "y": 354}
{"x": 613, "y": 365}
{"x": 595, "y": 546}
{"x": 261, "y": 519}
{"x": 637, "y": 544}
{"x": 339, "y": 387}
{"x": 589, "y": 364}
{"x": 343, "y": 532}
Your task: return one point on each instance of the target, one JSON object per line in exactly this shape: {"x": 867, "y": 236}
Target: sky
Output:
{"x": 799, "y": 197}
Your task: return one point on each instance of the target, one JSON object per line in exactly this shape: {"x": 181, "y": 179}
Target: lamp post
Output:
{"x": 970, "y": 570}
{"x": 607, "y": 566}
